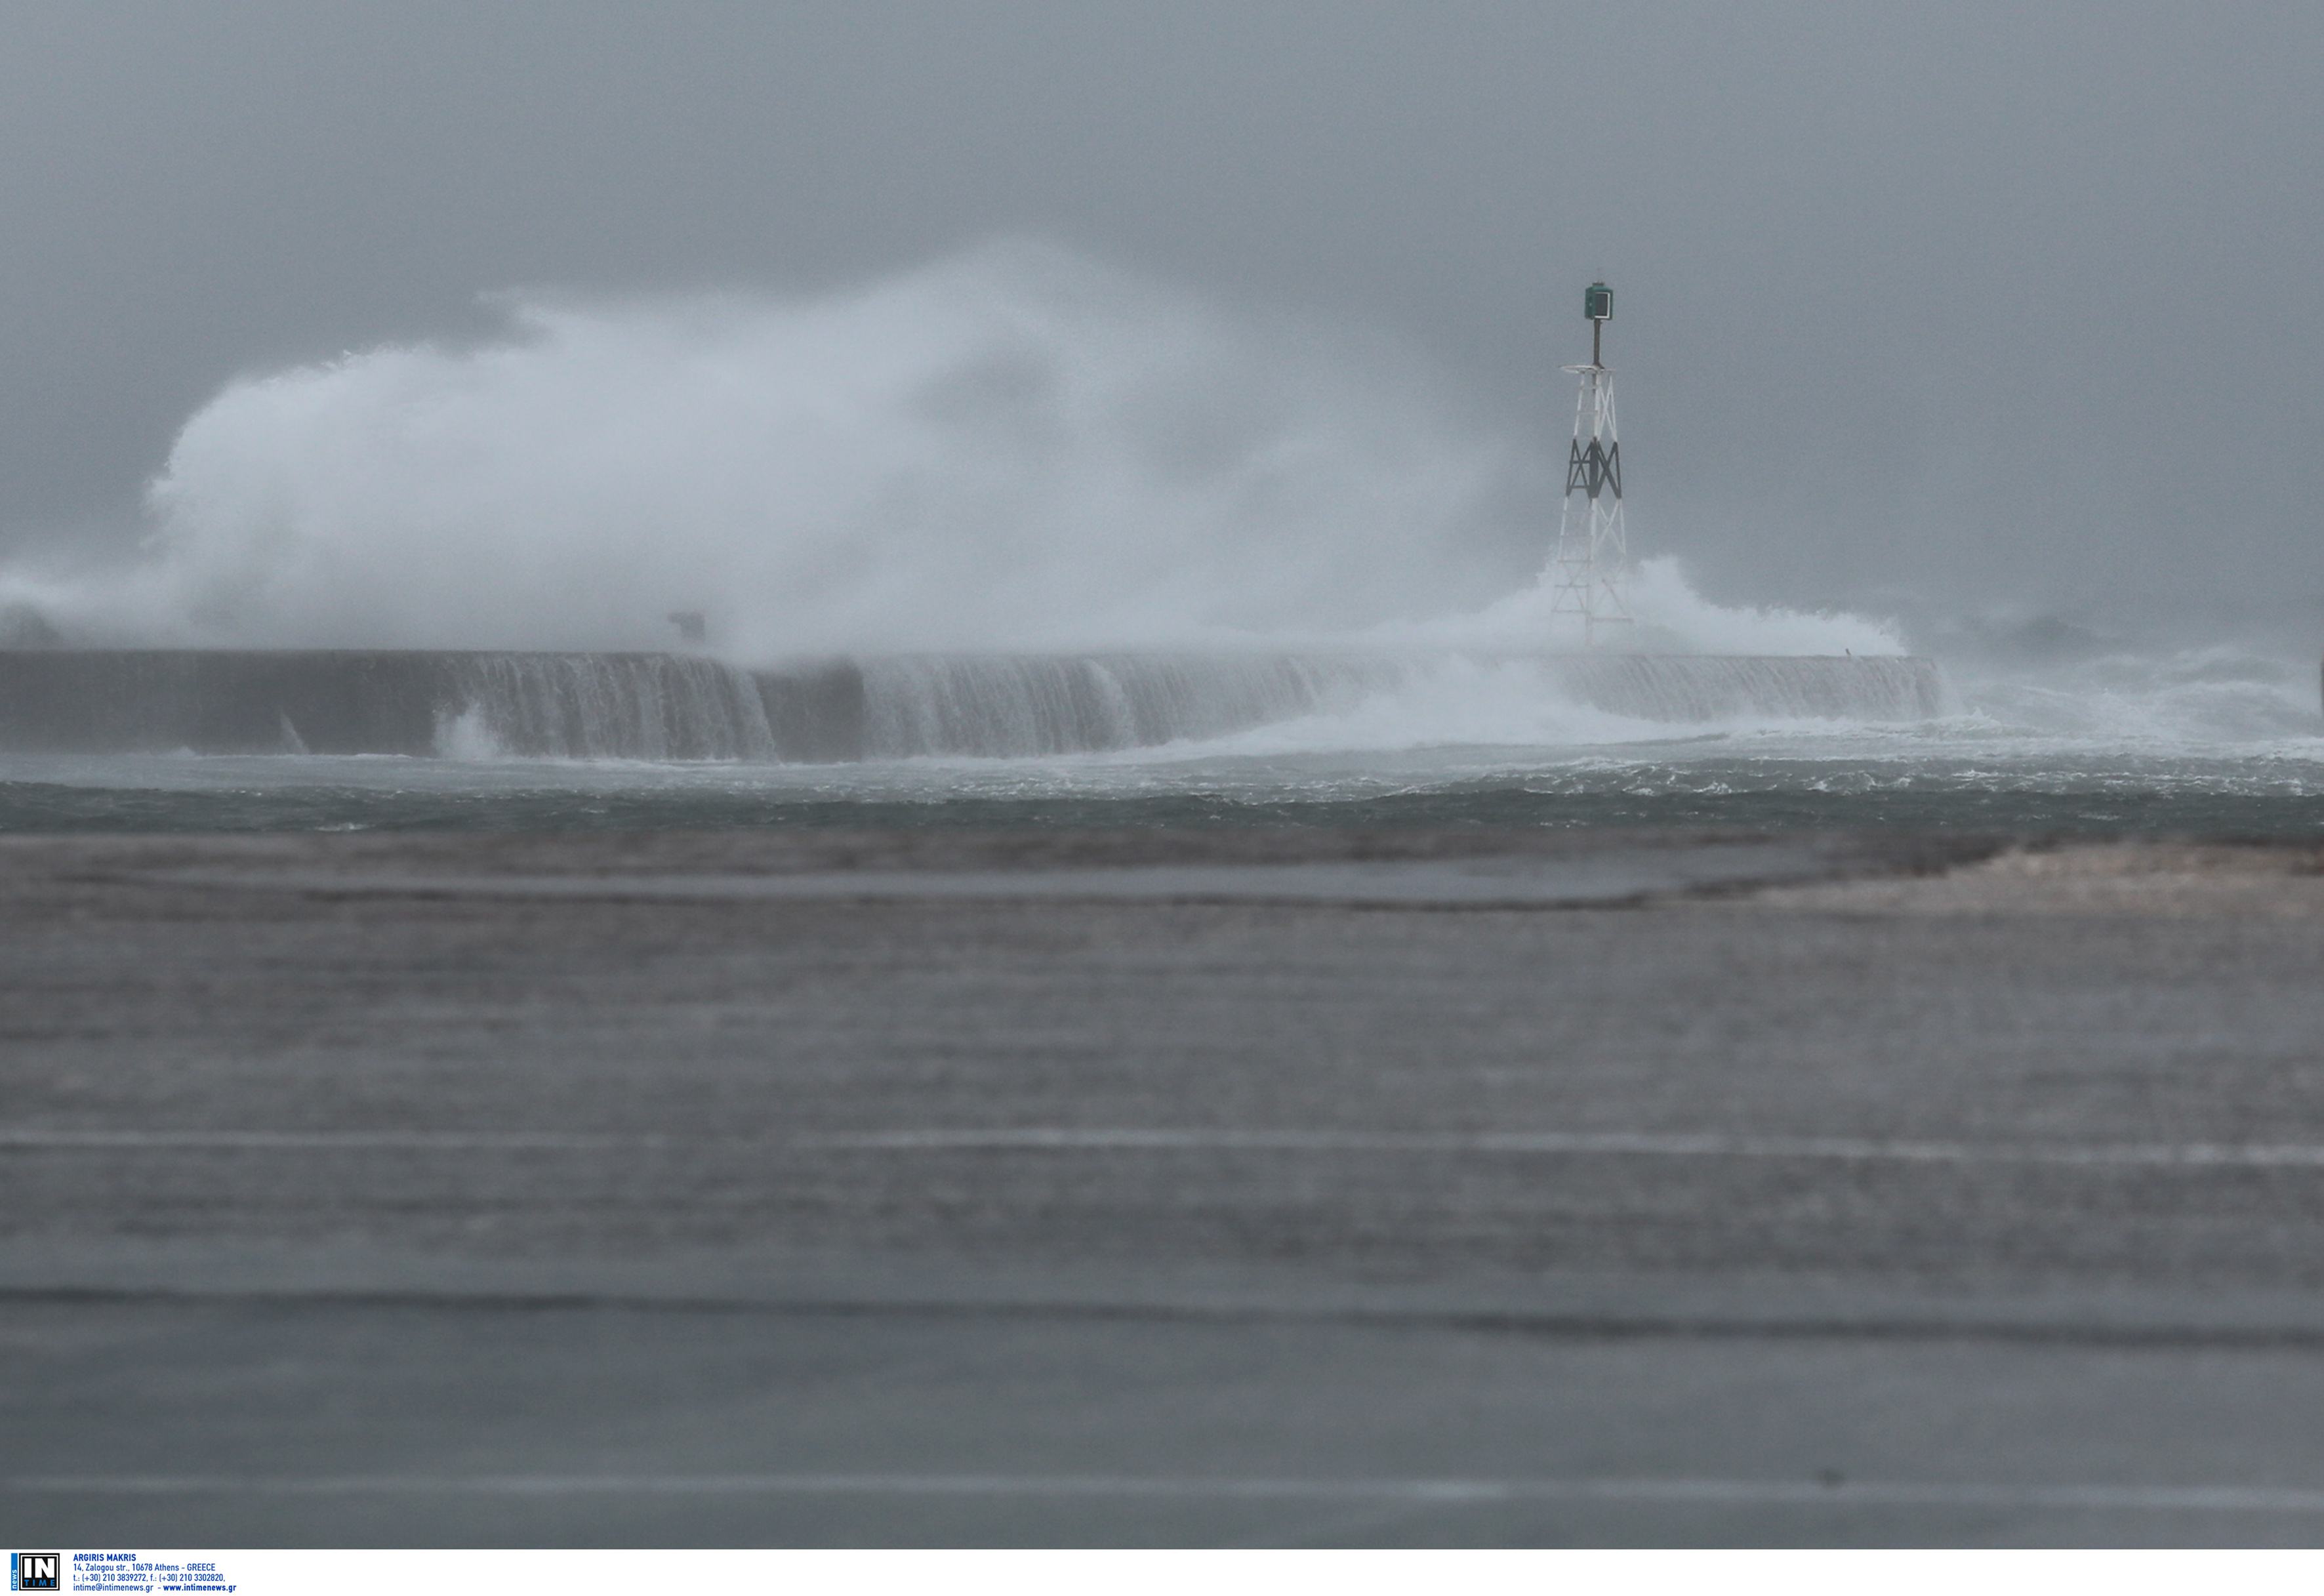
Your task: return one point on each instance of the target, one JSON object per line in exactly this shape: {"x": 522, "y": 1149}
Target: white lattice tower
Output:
{"x": 1591, "y": 563}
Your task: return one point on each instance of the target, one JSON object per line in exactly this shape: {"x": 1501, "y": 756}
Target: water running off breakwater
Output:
{"x": 2210, "y": 742}
{"x": 662, "y": 706}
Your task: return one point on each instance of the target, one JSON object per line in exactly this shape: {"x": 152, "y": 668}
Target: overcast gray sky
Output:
{"x": 1950, "y": 305}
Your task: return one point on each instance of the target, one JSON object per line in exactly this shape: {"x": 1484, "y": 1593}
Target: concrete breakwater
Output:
{"x": 678, "y": 706}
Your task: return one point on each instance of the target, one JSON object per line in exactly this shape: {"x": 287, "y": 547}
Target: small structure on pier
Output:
{"x": 1591, "y": 563}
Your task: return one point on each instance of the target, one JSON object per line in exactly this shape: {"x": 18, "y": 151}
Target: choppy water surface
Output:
{"x": 2211, "y": 744}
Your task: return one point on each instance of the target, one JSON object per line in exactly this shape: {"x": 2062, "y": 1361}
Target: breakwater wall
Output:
{"x": 677, "y": 706}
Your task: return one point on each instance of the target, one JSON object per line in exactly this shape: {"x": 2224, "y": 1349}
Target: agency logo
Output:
{"x": 34, "y": 1571}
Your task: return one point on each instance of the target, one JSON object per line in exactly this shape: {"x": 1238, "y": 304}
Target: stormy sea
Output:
{"x": 1013, "y": 539}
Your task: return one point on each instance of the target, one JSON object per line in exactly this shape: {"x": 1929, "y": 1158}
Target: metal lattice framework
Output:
{"x": 1592, "y": 560}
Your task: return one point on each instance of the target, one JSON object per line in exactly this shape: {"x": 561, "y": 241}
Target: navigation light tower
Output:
{"x": 1592, "y": 560}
